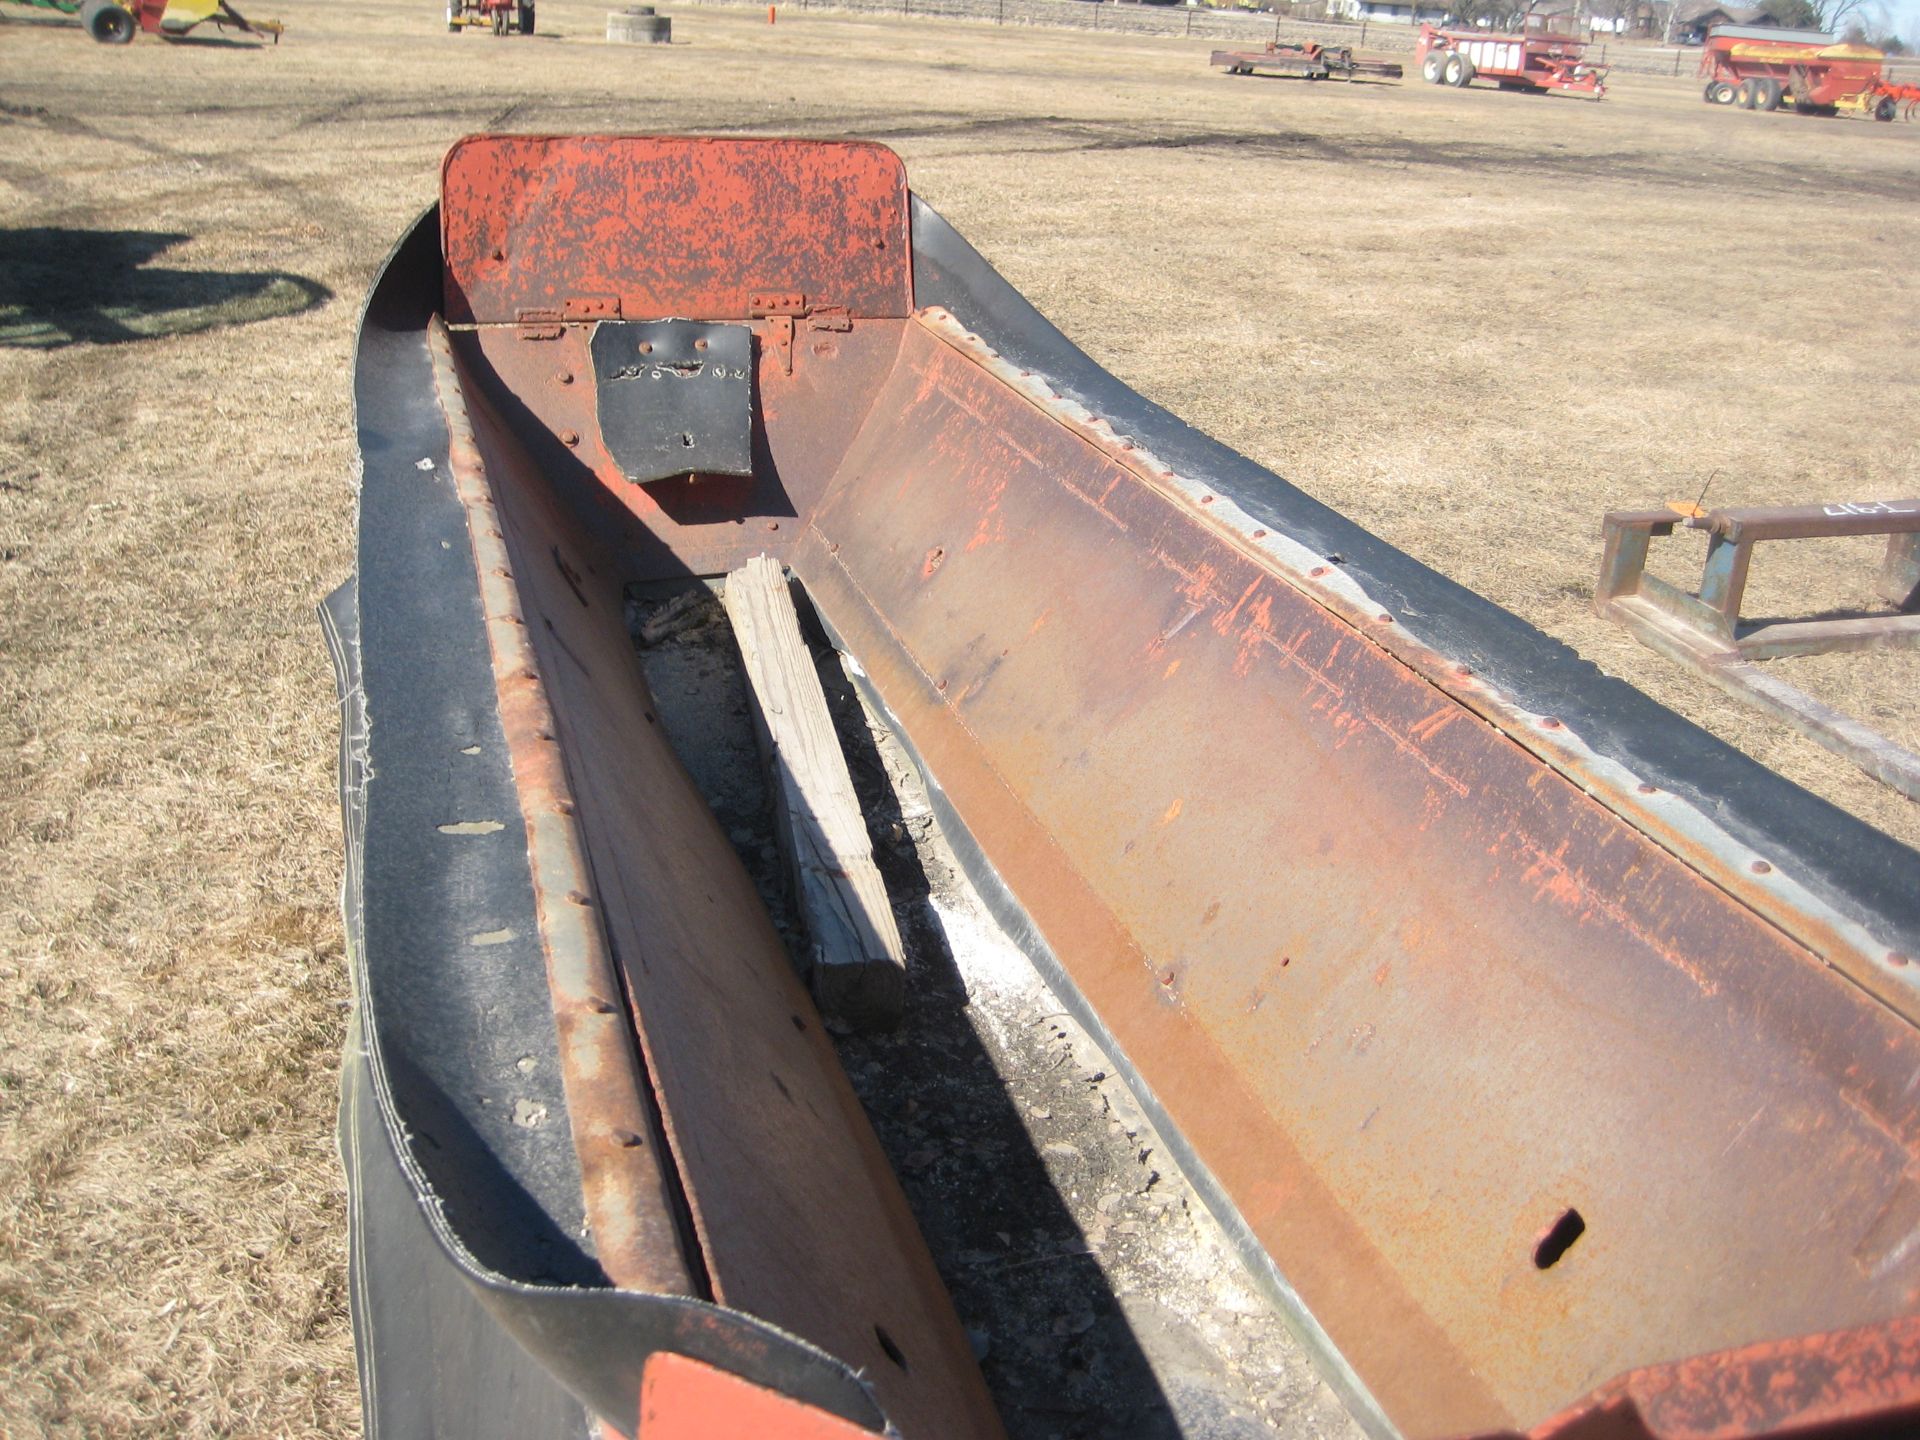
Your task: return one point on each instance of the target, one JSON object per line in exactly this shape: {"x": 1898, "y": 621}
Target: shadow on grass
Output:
{"x": 67, "y": 287}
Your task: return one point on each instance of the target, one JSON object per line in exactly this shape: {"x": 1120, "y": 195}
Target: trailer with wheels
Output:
{"x": 1310, "y": 61}
{"x": 1538, "y": 59}
{"x": 1757, "y": 67}
{"x": 503, "y": 17}
{"x": 115, "y": 22}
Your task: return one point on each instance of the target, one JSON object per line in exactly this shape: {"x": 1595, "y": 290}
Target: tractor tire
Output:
{"x": 1433, "y": 69}
{"x": 1711, "y": 93}
{"x": 107, "y": 22}
{"x": 1768, "y": 96}
{"x": 1722, "y": 92}
{"x": 1460, "y": 71}
{"x": 525, "y": 17}
{"x": 1743, "y": 97}
{"x": 1885, "y": 108}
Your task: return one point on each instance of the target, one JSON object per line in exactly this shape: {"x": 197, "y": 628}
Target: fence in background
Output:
{"x": 1177, "y": 21}
{"x": 1239, "y": 27}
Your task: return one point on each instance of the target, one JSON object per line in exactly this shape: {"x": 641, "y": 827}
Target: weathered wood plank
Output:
{"x": 859, "y": 965}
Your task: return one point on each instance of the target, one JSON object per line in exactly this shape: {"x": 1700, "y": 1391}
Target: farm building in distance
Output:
{"x": 1389, "y": 12}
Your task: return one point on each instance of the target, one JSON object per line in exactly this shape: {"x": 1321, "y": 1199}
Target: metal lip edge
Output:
{"x": 627, "y": 1165}
{"x": 1671, "y": 822}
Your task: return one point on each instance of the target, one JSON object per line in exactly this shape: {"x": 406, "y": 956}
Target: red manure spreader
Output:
{"x": 1539, "y": 58}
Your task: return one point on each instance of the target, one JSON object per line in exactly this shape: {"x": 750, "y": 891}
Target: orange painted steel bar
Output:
{"x": 1512, "y": 1064}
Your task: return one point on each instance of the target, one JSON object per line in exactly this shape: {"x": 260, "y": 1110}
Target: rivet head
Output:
{"x": 565, "y": 377}
{"x": 569, "y": 437}
{"x": 1760, "y": 867}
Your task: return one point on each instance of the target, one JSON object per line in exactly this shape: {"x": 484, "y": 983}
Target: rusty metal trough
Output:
{"x": 1522, "y": 1035}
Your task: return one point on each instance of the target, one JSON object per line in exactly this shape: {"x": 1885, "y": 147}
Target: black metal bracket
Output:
{"x": 675, "y": 397}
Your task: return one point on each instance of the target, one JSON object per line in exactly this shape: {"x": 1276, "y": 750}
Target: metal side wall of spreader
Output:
{"x": 1523, "y": 1035}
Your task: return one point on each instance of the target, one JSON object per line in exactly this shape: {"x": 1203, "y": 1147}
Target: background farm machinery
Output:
{"x": 1758, "y": 68}
{"x": 503, "y": 17}
{"x": 114, "y": 22}
{"x": 1309, "y": 61}
{"x": 1539, "y": 59}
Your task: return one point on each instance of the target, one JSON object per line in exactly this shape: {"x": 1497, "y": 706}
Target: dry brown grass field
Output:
{"x": 1473, "y": 321}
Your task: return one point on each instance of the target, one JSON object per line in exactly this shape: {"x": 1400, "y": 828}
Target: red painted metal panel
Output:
{"x": 681, "y": 1399}
{"x": 598, "y": 227}
{"x": 1852, "y": 1385}
{"x": 1411, "y": 994}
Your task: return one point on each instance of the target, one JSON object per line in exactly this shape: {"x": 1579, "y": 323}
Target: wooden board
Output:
{"x": 859, "y": 964}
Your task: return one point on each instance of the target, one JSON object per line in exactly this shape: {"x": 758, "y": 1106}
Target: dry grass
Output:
{"x": 1473, "y": 321}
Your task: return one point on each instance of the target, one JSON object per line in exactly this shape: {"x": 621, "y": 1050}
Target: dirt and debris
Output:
{"x": 1100, "y": 1295}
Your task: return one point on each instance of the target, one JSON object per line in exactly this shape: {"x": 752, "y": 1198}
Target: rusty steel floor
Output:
{"x": 1099, "y": 1292}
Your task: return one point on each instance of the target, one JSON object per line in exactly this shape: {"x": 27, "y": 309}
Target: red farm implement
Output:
{"x": 1310, "y": 61}
{"x": 1758, "y": 68}
{"x": 116, "y": 22}
{"x": 1517, "y": 1033}
{"x": 503, "y": 17}
{"x": 1539, "y": 58}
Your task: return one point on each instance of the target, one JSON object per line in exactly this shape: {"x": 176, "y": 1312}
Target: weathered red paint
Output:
{"x": 673, "y": 228}
{"x": 681, "y": 1399}
{"x": 1414, "y": 972}
{"x": 1851, "y": 1385}
{"x": 1420, "y": 922}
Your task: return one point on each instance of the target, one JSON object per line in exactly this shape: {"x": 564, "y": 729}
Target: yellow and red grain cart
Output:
{"x": 1759, "y": 68}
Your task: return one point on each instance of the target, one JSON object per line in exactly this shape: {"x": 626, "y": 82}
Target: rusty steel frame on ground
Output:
{"x": 1704, "y": 632}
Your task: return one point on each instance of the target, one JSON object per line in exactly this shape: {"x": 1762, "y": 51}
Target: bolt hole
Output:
{"x": 893, "y": 1351}
{"x": 646, "y": 347}
{"x": 1558, "y": 1240}
{"x": 686, "y": 442}
{"x": 798, "y": 1023}
{"x": 700, "y": 344}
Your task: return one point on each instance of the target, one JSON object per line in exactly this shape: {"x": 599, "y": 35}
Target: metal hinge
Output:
{"x": 782, "y": 308}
